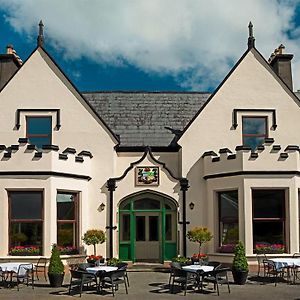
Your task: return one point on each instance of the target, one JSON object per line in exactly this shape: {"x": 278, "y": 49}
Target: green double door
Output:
{"x": 147, "y": 230}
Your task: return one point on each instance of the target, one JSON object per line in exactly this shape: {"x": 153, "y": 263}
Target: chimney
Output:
{"x": 281, "y": 64}
{"x": 9, "y": 64}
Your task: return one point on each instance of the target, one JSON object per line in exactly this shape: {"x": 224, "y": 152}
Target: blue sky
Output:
{"x": 151, "y": 46}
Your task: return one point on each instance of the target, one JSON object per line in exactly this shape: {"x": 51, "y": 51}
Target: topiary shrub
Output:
{"x": 199, "y": 235}
{"x": 94, "y": 237}
{"x": 55, "y": 266}
{"x": 240, "y": 262}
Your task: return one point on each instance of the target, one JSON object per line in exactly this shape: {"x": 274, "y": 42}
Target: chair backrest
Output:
{"x": 122, "y": 266}
{"x": 296, "y": 254}
{"x": 77, "y": 274}
{"x": 83, "y": 266}
{"x": 25, "y": 268}
{"x": 42, "y": 261}
{"x": 116, "y": 274}
{"x": 215, "y": 264}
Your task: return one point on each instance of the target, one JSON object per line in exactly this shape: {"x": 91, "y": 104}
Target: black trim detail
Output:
{"x": 242, "y": 147}
{"x": 225, "y": 150}
{"x": 79, "y": 159}
{"x": 292, "y": 148}
{"x": 63, "y": 156}
{"x": 269, "y": 140}
{"x": 175, "y": 148}
{"x": 284, "y": 155}
{"x": 209, "y": 153}
{"x": 231, "y": 156}
{"x": 254, "y": 155}
{"x": 276, "y": 148}
{"x": 69, "y": 150}
{"x": 236, "y": 110}
{"x": 215, "y": 159}
{"x": 260, "y": 148}
{"x": 31, "y": 147}
{"x": 7, "y": 154}
{"x": 14, "y": 147}
{"x": 44, "y": 173}
{"x": 38, "y": 154}
{"x": 182, "y": 222}
{"x": 50, "y": 147}
{"x": 2, "y": 147}
{"x": 19, "y": 110}
{"x": 245, "y": 173}
{"x": 23, "y": 140}
{"x": 85, "y": 153}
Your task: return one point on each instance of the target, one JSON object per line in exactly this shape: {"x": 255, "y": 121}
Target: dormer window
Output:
{"x": 39, "y": 130}
{"x": 254, "y": 131}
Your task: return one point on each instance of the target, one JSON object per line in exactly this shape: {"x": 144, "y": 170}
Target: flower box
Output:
{"x": 269, "y": 248}
{"x": 25, "y": 251}
{"x": 68, "y": 250}
{"x": 93, "y": 259}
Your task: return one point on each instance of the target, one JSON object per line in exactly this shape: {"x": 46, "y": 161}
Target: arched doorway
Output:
{"x": 147, "y": 227}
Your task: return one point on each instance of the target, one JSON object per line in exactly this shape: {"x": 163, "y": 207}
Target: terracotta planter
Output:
{"x": 240, "y": 277}
{"x": 56, "y": 280}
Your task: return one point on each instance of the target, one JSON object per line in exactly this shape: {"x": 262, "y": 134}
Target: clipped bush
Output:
{"x": 240, "y": 262}
{"x": 55, "y": 266}
{"x": 199, "y": 235}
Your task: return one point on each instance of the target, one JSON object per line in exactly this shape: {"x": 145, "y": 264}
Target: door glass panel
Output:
{"x": 168, "y": 227}
{"x": 153, "y": 228}
{"x": 125, "y": 234}
{"x": 147, "y": 204}
{"x": 140, "y": 228}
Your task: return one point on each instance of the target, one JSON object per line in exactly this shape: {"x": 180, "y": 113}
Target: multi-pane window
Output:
{"x": 26, "y": 220}
{"x": 254, "y": 131}
{"x": 39, "y": 130}
{"x": 228, "y": 220}
{"x": 67, "y": 219}
{"x": 268, "y": 219}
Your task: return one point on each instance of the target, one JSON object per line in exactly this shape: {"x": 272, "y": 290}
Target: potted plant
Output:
{"x": 240, "y": 267}
{"x": 56, "y": 268}
{"x": 181, "y": 259}
{"x": 94, "y": 237}
{"x": 113, "y": 261}
{"x": 199, "y": 235}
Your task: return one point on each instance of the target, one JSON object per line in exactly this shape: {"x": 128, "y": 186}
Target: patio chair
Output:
{"x": 123, "y": 266}
{"x": 214, "y": 264}
{"x": 81, "y": 278}
{"x": 180, "y": 276}
{"x": 113, "y": 280}
{"x": 260, "y": 265}
{"x": 272, "y": 271}
{"x": 83, "y": 266}
{"x": 25, "y": 275}
{"x": 296, "y": 269}
{"x": 217, "y": 276}
{"x": 41, "y": 266}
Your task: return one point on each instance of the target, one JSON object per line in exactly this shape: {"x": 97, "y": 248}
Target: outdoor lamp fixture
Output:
{"x": 192, "y": 205}
{"x": 101, "y": 207}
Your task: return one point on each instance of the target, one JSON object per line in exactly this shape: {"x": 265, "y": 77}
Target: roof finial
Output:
{"x": 40, "y": 39}
{"x": 251, "y": 39}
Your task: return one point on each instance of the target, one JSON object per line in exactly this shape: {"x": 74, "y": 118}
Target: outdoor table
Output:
{"x": 288, "y": 264}
{"x": 94, "y": 270}
{"x": 199, "y": 271}
{"x": 195, "y": 268}
{"x": 13, "y": 267}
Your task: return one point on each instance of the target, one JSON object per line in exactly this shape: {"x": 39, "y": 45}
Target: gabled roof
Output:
{"x": 48, "y": 56}
{"x": 140, "y": 118}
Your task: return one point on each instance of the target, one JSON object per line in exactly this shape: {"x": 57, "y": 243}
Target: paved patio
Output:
{"x": 154, "y": 285}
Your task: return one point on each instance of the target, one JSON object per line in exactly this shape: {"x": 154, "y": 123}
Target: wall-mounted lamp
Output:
{"x": 101, "y": 207}
{"x": 192, "y": 205}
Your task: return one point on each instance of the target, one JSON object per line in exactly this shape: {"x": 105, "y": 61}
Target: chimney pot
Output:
{"x": 9, "y": 49}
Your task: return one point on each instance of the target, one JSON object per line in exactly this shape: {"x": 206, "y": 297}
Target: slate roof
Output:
{"x": 139, "y": 118}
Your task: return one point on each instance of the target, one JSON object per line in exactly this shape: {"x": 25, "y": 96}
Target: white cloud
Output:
{"x": 196, "y": 41}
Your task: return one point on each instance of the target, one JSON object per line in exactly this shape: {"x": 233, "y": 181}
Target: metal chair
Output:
{"x": 260, "y": 265}
{"x": 296, "y": 269}
{"x": 81, "y": 278}
{"x": 41, "y": 266}
{"x": 113, "y": 280}
{"x": 25, "y": 274}
{"x": 123, "y": 266}
{"x": 217, "y": 276}
{"x": 180, "y": 276}
{"x": 272, "y": 271}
